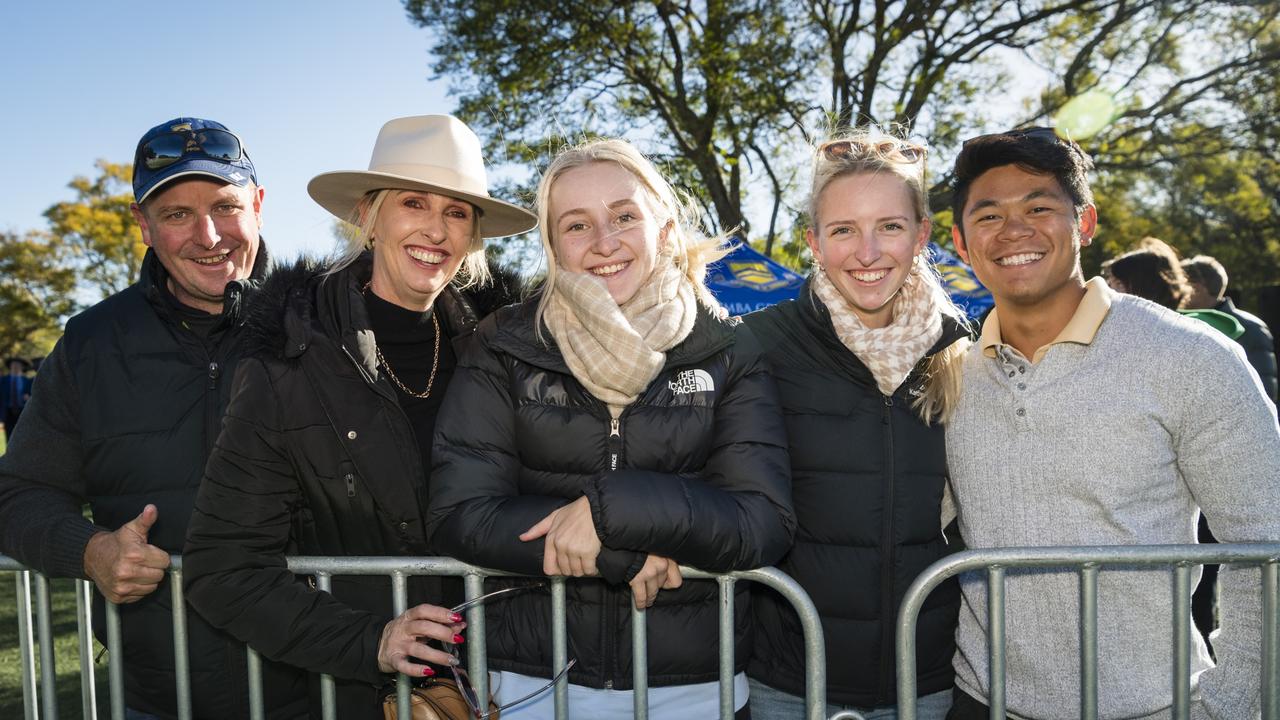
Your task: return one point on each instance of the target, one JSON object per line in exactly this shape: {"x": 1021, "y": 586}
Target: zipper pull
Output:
{"x": 351, "y": 485}
{"x": 615, "y": 440}
{"x": 213, "y": 375}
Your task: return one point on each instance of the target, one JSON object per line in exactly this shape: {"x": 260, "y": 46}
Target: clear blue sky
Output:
{"x": 306, "y": 85}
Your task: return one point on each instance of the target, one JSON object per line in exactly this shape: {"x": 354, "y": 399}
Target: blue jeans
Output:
{"x": 770, "y": 704}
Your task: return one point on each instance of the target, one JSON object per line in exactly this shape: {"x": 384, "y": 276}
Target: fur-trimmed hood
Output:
{"x": 279, "y": 317}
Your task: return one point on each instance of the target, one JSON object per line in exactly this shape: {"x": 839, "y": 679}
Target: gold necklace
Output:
{"x": 435, "y": 359}
{"x": 435, "y": 364}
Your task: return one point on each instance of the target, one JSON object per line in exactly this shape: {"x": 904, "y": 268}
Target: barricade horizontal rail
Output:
{"x": 1089, "y": 561}
{"x": 399, "y": 569}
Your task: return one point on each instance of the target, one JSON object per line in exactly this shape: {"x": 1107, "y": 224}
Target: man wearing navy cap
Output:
{"x": 127, "y": 407}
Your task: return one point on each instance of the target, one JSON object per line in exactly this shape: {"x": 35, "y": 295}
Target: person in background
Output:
{"x": 1090, "y": 417}
{"x": 609, "y": 429}
{"x": 1208, "y": 281}
{"x": 15, "y": 391}
{"x": 327, "y": 439}
{"x": 123, "y": 415}
{"x": 867, "y": 364}
{"x": 1152, "y": 272}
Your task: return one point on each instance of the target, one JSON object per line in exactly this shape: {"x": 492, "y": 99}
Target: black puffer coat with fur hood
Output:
{"x": 316, "y": 457}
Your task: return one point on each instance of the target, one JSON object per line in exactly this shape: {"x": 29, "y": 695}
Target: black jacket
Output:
{"x": 867, "y": 478}
{"x": 701, "y": 477}
{"x": 316, "y": 457}
{"x": 125, "y": 411}
{"x": 1258, "y": 345}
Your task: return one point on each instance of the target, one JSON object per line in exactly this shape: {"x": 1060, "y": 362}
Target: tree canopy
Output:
{"x": 37, "y": 292}
{"x": 729, "y": 94}
{"x": 98, "y": 231}
{"x": 91, "y": 249}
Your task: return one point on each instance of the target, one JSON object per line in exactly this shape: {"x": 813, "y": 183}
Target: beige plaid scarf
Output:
{"x": 892, "y": 351}
{"x": 615, "y": 351}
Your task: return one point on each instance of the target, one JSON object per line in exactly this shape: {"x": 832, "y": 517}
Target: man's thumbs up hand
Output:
{"x": 122, "y": 564}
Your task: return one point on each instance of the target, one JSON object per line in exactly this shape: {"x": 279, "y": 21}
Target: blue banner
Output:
{"x": 745, "y": 281}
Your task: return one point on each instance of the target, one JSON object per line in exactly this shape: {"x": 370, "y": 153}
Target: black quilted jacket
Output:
{"x": 868, "y": 476}
{"x": 696, "y": 470}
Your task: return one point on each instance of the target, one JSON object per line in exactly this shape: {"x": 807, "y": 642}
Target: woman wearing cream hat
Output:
{"x": 327, "y": 439}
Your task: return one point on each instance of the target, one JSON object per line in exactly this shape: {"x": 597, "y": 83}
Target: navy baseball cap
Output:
{"x": 184, "y": 147}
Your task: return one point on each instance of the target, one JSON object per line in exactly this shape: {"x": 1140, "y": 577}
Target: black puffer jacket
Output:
{"x": 867, "y": 478}
{"x": 124, "y": 413}
{"x": 316, "y": 457}
{"x": 1258, "y": 344}
{"x": 701, "y": 477}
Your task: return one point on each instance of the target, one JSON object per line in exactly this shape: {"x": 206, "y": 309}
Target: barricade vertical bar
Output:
{"x": 181, "y": 668}
{"x": 257, "y": 708}
{"x": 726, "y": 647}
{"x": 477, "y": 647}
{"x": 44, "y": 632}
{"x": 84, "y": 630}
{"x": 905, "y": 640}
{"x": 560, "y": 646}
{"x": 26, "y": 645}
{"x": 995, "y": 639}
{"x": 815, "y": 648}
{"x": 328, "y": 693}
{"x": 400, "y": 603}
{"x": 115, "y": 661}
{"x": 639, "y": 664}
{"x": 1270, "y": 641}
{"x": 1182, "y": 641}
{"x": 1089, "y": 641}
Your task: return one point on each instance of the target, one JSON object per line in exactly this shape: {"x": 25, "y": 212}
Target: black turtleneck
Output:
{"x": 407, "y": 341}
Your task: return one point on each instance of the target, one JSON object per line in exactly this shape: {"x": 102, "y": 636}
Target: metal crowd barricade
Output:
{"x": 1090, "y": 561}
{"x": 399, "y": 570}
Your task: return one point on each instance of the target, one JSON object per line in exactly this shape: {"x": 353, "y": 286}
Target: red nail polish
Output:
{"x": 428, "y": 671}
{"x": 455, "y": 617}
{"x": 457, "y": 639}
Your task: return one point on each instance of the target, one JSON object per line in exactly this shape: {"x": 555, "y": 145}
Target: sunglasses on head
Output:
{"x": 1039, "y": 134}
{"x": 479, "y": 709}
{"x": 164, "y": 150}
{"x": 886, "y": 149}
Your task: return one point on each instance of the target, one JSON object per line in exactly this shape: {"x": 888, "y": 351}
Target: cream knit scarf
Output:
{"x": 892, "y": 351}
{"x": 615, "y": 351}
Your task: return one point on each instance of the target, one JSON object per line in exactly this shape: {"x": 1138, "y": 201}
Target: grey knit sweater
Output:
{"x": 1114, "y": 443}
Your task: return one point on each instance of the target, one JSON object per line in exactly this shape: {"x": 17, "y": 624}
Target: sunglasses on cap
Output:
{"x": 166, "y": 149}
{"x": 886, "y": 149}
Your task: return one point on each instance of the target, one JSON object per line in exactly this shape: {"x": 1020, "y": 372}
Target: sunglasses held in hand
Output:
{"x": 460, "y": 676}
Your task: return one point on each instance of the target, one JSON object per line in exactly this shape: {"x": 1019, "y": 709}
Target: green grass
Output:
{"x": 65, "y": 649}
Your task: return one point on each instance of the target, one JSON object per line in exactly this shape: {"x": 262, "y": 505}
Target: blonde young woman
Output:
{"x": 609, "y": 429}
{"x": 326, "y": 442}
{"x": 866, "y": 365}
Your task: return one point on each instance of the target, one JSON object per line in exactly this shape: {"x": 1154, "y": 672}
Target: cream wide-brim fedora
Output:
{"x": 436, "y": 153}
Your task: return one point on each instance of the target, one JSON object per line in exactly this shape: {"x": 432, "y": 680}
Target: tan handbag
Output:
{"x": 436, "y": 699}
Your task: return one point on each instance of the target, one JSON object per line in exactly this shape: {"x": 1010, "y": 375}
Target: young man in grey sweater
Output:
{"x": 1094, "y": 418}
